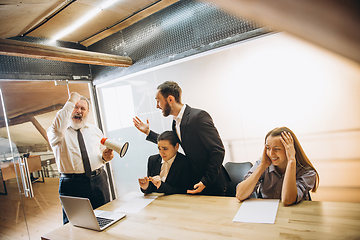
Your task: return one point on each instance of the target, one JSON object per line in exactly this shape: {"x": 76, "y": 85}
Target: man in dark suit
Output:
{"x": 198, "y": 137}
{"x": 169, "y": 171}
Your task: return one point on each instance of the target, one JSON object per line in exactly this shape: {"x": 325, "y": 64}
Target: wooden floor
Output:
{"x": 43, "y": 212}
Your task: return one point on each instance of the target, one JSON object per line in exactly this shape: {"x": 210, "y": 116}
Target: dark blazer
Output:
{"x": 178, "y": 179}
{"x": 203, "y": 147}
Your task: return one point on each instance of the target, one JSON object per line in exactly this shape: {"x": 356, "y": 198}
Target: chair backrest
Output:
{"x": 236, "y": 171}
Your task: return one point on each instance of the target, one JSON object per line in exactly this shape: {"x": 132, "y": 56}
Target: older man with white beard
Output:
{"x": 81, "y": 167}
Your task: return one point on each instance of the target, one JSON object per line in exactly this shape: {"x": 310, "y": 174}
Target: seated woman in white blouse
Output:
{"x": 284, "y": 171}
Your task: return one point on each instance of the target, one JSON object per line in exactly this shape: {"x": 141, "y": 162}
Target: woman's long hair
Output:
{"x": 300, "y": 155}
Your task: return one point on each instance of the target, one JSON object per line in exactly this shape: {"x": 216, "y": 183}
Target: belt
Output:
{"x": 71, "y": 175}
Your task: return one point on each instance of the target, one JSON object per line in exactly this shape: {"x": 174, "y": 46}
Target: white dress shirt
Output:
{"x": 178, "y": 119}
{"x": 64, "y": 143}
{"x": 165, "y": 167}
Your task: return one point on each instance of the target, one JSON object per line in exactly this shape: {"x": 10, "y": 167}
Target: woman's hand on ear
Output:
{"x": 288, "y": 143}
{"x": 265, "y": 160}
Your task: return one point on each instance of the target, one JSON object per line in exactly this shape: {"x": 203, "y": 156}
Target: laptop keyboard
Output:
{"x": 103, "y": 221}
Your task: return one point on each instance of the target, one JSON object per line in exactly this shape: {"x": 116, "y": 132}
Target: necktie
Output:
{"x": 176, "y": 128}
{"x": 84, "y": 154}
{"x": 164, "y": 171}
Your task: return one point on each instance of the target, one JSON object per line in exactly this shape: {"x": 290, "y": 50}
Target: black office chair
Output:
{"x": 236, "y": 171}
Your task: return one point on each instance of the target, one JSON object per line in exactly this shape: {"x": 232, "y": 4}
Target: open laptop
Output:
{"x": 81, "y": 214}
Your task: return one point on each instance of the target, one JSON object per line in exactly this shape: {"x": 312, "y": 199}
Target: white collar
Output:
{"x": 170, "y": 161}
{"x": 180, "y": 115}
{"x": 85, "y": 126}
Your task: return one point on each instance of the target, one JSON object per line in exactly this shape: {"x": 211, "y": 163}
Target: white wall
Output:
{"x": 248, "y": 89}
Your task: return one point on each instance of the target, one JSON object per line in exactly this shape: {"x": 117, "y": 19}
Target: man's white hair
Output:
{"x": 87, "y": 101}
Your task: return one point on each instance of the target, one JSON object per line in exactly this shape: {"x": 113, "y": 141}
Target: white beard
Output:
{"x": 78, "y": 125}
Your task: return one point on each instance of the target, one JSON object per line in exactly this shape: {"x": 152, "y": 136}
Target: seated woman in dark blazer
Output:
{"x": 169, "y": 171}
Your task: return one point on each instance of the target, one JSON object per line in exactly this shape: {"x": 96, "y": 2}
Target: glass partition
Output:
{"x": 119, "y": 103}
{"x": 11, "y": 188}
{"x": 31, "y": 107}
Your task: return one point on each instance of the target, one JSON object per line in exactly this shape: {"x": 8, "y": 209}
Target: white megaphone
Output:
{"x": 116, "y": 146}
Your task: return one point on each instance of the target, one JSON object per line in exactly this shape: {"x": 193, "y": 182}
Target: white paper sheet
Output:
{"x": 257, "y": 211}
{"x": 135, "y": 201}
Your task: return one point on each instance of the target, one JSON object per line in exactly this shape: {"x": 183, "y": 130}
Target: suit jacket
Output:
{"x": 178, "y": 179}
{"x": 203, "y": 146}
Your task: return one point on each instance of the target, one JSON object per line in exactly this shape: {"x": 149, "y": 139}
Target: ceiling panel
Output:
{"x": 47, "y": 18}
{"x": 65, "y": 19}
{"x": 119, "y": 6}
{"x": 16, "y": 17}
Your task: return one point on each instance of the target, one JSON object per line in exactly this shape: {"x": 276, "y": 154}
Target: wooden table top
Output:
{"x": 209, "y": 217}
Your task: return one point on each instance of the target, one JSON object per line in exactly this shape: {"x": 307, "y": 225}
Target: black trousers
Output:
{"x": 96, "y": 189}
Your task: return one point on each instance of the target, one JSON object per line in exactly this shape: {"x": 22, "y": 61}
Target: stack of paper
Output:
{"x": 135, "y": 201}
{"x": 257, "y": 211}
